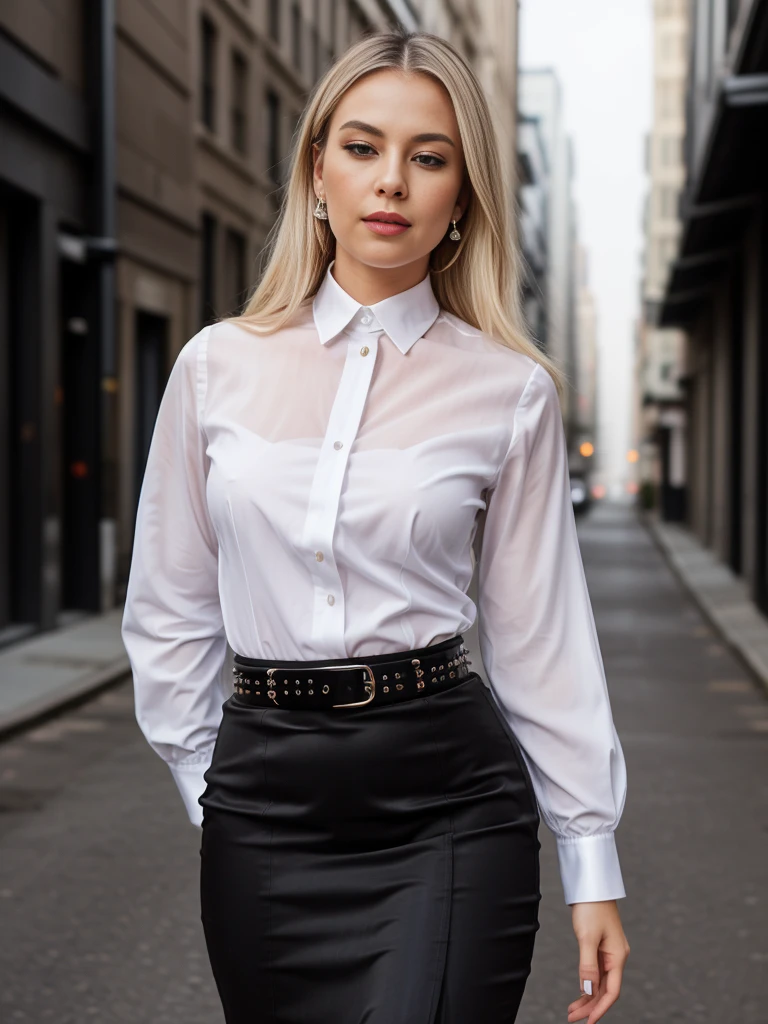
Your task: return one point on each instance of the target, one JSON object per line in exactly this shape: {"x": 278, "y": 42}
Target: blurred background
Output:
{"x": 143, "y": 147}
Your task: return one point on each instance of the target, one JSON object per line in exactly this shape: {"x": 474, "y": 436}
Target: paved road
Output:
{"x": 98, "y": 865}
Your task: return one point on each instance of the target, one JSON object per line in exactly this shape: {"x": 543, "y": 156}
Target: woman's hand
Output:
{"x": 603, "y": 951}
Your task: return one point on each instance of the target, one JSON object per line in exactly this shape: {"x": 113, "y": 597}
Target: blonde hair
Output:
{"x": 479, "y": 279}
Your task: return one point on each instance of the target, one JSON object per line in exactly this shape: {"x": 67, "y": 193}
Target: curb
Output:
{"x": 68, "y": 696}
{"x": 725, "y": 605}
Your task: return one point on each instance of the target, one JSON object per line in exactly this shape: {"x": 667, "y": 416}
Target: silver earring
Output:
{"x": 454, "y": 235}
{"x": 321, "y": 211}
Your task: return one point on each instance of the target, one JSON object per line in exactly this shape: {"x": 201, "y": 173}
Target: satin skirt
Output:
{"x": 373, "y": 865}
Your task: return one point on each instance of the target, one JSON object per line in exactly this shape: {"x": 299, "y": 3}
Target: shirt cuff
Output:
{"x": 589, "y": 868}
{"x": 192, "y": 785}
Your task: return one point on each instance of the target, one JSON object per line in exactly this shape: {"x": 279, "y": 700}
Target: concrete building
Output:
{"x": 541, "y": 100}
{"x": 586, "y": 393}
{"x": 660, "y": 421}
{"x": 144, "y": 145}
{"x": 718, "y": 286}
{"x": 533, "y": 202}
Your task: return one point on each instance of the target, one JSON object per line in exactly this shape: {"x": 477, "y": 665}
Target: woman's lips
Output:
{"x": 385, "y": 227}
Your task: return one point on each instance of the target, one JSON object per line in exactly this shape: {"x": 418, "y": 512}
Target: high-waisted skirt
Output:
{"x": 370, "y": 865}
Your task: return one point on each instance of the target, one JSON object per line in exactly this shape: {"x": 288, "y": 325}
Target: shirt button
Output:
{"x": 364, "y": 350}
{"x": 331, "y": 599}
{"x": 319, "y": 556}
{"x": 338, "y": 444}
{"x": 365, "y": 319}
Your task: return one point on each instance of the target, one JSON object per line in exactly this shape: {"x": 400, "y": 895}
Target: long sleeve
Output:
{"x": 540, "y": 648}
{"x": 172, "y": 624}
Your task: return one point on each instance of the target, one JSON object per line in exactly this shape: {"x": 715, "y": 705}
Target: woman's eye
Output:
{"x": 429, "y": 156}
{"x": 355, "y": 147}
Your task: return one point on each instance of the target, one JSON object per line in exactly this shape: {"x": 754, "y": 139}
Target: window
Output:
{"x": 667, "y": 202}
{"x": 670, "y": 99}
{"x": 332, "y": 32}
{"x": 671, "y": 150}
{"x": 208, "y": 233}
{"x": 239, "y": 102}
{"x": 273, "y": 20}
{"x": 357, "y": 23}
{"x": 666, "y": 251}
{"x": 235, "y": 265}
{"x": 733, "y": 13}
{"x": 273, "y": 135}
{"x": 208, "y": 73}
{"x": 296, "y": 36}
{"x": 317, "y": 54}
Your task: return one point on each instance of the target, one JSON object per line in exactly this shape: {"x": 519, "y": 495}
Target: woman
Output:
{"x": 322, "y": 470}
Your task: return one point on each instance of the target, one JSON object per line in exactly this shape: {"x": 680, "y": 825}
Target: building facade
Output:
{"x": 144, "y": 146}
{"x": 660, "y": 420}
{"x": 717, "y": 289}
{"x": 541, "y": 100}
{"x": 533, "y": 203}
{"x": 586, "y": 390}
{"x": 547, "y": 204}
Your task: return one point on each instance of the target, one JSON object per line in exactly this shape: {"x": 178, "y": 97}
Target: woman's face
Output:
{"x": 393, "y": 145}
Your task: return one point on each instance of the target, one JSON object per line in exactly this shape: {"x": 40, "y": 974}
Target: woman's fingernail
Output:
{"x": 587, "y": 986}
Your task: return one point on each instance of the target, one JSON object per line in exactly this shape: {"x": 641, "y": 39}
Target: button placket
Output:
{"x": 327, "y": 484}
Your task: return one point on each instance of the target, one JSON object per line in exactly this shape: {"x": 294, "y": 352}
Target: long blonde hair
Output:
{"x": 478, "y": 279}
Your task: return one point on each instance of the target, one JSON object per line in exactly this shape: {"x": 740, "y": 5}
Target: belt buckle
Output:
{"x": 370, "y": 685}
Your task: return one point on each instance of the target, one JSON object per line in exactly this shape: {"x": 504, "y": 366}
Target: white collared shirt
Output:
{"x": 314, "y": 493}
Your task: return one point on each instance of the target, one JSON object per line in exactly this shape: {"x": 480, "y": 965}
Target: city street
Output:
{"x": 99, "y": 865}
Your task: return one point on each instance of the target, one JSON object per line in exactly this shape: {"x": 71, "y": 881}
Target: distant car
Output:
{"x": 579, "y": 493}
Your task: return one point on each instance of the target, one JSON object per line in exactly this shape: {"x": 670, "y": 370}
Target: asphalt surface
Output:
{"x": 99, "y": 912}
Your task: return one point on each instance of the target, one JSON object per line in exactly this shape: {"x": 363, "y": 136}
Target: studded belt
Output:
{"x": 351, "y": 682}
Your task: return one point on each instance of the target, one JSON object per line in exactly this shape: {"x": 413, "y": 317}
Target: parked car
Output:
{"x": 579, "y": 493}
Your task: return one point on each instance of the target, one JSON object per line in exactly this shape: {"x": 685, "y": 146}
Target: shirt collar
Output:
{"x": 404, "y": 317}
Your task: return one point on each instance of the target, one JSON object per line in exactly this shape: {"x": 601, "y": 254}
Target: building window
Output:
{"x": 357, "y": 23}
{"x": 332, "y": 32}
{"x": 239, "y": 102}
{"x": 208, "y": 73}
{"x": 296, "y": 36}
{"x": 235, "y": 265}
{"x": 317, "y": 54}
{"x": 667, "y": 202}
{"x": 671, "y": 151}
{"x": 670, "y": 99}
{"x": 273, "y": 135}
{"x": 208, "y": 233}
{"x": 666, "y": 252}
{"x": 273, "y": 20}
{"x": 733, "y": 13}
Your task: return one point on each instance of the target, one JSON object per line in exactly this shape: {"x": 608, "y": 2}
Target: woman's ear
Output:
{"x": 462, "y": 200}
{"x": 317, "y": 168}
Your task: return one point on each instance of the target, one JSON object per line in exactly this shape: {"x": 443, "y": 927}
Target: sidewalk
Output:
{"x": 721, "y": 595}
{"x": 48, "y": 671}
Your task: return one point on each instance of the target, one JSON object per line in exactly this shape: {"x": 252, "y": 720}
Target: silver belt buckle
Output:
{"x": 370, "y": 685}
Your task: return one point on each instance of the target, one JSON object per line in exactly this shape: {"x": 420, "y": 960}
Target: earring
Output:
{"x": 320, "y": 210}
{"x": 454, "y": 235}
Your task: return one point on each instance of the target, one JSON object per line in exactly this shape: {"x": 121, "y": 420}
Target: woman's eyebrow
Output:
{"x": 361, "y": 126}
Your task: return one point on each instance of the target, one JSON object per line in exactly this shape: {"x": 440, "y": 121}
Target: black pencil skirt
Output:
{"x": 370, "y": 865}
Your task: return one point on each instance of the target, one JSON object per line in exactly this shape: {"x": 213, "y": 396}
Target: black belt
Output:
{"x": 352, "y": 682}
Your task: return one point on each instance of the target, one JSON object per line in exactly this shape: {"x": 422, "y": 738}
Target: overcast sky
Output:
{"x": 601, "y": 50}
